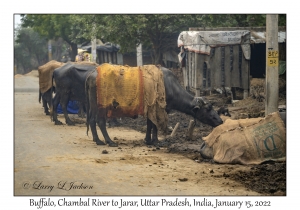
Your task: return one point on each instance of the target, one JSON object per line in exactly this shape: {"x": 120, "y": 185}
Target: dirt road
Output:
{"x": 63, "y": 160}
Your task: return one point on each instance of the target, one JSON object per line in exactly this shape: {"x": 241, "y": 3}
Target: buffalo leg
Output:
{"x": 45, "y": 105}
{"x": 48, "y": 102}
{"x": 46, "y": 98}
{"x": 96, "y": 139}
{"x": 49, "y": 105}
{"x": 81, "y": 112}
{"x": 92, "y": 112}
{"x": 54, "y": 110}
{"x": 148, "y": 132}
{"x": 64, "y": 104}
{"x": 102, "y": 125}
{"x": 151, "y": 129}
{"x": 154, "y": 134}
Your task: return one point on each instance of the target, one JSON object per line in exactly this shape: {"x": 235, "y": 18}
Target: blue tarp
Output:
{"x": 72, "y": 108}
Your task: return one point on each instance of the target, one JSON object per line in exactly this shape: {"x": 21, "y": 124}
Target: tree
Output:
{"x": 238, "y": 20}
{"x": 29, "y": 49}
{"x": 54, "y": 27}
{"x": 153, "y": 31}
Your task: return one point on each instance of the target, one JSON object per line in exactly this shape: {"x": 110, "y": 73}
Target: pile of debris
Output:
{"x": 257, "y": 89}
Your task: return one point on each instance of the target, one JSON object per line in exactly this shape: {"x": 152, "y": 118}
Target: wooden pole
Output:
{"x": 197, "y": 73}
{"x": 174, "y": 131}
{"x": 190, "y": 130}
{"x": 272, "y": 63}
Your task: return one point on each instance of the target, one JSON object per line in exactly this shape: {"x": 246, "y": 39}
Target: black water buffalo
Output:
{"x": 69, "y": 86}
{"x": 176, "y": 98}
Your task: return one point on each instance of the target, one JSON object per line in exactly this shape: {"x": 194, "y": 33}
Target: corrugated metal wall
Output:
{"x": 225, "y": 67}
{"x": 107, "y": 57}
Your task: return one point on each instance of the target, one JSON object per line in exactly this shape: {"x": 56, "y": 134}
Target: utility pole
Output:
{"x": 139, "y": 55}
{"x": 272, "y": 63}
{"x": 49, "y": 50}
{"x": 94, "y": 45}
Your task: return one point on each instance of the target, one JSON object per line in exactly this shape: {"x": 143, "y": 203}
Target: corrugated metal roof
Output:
{"x": 202, "y": 41}
{"x": 260, "y": 37}
{"x": 107, "y": 47}
{"x": 258, "y": 34}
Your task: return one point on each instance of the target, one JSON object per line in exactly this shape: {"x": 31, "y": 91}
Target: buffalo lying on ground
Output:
{"x": 176, "y": 99}
{"x": 70, "y": 86}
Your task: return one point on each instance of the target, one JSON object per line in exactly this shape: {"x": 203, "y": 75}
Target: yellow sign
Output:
{"x": 273, "y": 58}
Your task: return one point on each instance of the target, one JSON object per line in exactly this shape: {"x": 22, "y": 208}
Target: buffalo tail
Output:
{"x": 87, "y": 106}
{"x": 40, "y": 96}
{"x": 51, "y": 100}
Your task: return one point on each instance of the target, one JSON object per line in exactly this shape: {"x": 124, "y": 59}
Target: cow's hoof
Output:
{"x": 149, "y": 142}
{"x": 155, "y": 142}
{"x": 114, "y": 123}
{"x": 47, "y": 113}
{"x": 70, "y": 123}
{"x": 98, "y": 142}
{"x": 112, "y": 144}
{"x": 58, "y": 123}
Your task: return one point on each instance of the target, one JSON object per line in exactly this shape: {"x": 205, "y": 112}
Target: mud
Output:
{"x": 268, "y": 178}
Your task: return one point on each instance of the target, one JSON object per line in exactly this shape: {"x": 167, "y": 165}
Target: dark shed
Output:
{"x": 106, "y": 53}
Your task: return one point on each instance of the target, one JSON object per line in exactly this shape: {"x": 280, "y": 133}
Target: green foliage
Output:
{"x": 155, "y": 31}
{"x": 30, "y": 49}
{"x": 238, "y": 20}
{"x": 43, "y": 24}
{"x": 282, "y": 20}
{"x": 129, "y": 30}
{"x": 22, "y": 59}
{"x": 55, "y": 26}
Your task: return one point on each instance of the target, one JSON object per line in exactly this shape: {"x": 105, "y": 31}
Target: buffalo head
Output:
{"x": 204, "y": 112}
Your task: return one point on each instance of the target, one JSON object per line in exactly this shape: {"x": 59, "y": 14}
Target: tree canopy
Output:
{"x": 54, "y": 27}
{"x": 154, "y": 31}
{"x": 29, "y": 49}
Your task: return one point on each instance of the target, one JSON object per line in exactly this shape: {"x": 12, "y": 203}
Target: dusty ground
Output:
{"x": 269, "y": 178}
{"x": 63, "y": 160}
